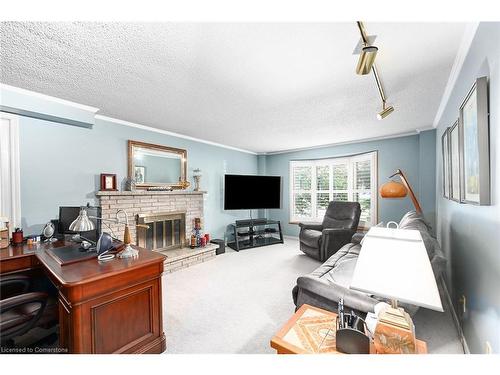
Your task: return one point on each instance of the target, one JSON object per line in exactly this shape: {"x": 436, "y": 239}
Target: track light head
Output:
{"x": 386, "y": 111}
{"x": 366, "y": 60}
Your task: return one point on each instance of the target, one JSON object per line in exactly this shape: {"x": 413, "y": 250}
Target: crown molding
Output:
{"x": 53, "y": 99}
{"x": 463, "y": 50}
{"x": 424, "y": 129}
{"x": 362, "y": 140}
{"x": 166, "y": 132}
{"x": 45, "y": 117}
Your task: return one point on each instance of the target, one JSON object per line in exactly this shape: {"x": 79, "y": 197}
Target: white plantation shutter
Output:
{"x": 322, "y": 189}
{"x": 301, "y": 188}
{"x": 314, "y": 183}
{"x": 302, "y": 178}
{"x": 363, "y": 177}
{"x": 10, "y": 169}
{"x": 362, "y": 188}
{"x": 340, "y": 170}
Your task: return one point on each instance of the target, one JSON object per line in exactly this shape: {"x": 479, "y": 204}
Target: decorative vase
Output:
{"x": 197, "y": 178}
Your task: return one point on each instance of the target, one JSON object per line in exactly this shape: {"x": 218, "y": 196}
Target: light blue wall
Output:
{"x": 427, "y": 174}
{"x": 61, "y": 164}
{"x": 403, "y": 152}
{"x": 470, "y": 235}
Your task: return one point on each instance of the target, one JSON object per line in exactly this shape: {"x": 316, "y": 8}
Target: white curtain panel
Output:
{"x": 10, "y": 185}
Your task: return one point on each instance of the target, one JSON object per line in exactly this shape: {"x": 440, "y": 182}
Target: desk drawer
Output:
{"x": 16, "y": 264}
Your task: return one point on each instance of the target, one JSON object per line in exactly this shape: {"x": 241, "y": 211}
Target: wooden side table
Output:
{"x": 311, "y": 330}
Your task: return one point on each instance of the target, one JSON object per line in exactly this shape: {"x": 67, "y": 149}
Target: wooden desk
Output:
{"x": 17, "y": 259}
{"x": 304, "y": 333}
{"x": 104, "y": 307}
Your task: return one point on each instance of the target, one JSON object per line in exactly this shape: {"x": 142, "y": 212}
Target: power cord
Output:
{"x": 105, "y": 256}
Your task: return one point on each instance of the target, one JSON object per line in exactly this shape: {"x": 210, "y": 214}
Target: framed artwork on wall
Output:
{"x": 446, "y": 162}
{"x": 474, "y": 145}
{"x": 454, "y": 145}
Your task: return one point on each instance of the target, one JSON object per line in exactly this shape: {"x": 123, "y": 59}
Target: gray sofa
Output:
{"x": 328, "y": 283}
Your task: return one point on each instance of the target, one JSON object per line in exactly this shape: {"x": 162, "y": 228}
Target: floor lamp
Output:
{"x": 394, "y": 189}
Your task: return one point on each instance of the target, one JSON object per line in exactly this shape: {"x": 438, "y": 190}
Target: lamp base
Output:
{"x": 395, "y": 332}
{"x": 128, "y": 252}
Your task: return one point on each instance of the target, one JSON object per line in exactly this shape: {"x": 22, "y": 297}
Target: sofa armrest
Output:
{"x": 333, "y": 292}
{"x": 332, "y": 240}
{"x": 357, "y": 238}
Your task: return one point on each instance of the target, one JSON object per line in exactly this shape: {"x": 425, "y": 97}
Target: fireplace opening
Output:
{"x": 166, "y": 230}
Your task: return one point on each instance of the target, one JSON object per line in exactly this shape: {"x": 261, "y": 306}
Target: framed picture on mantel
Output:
{"x": 474, "y": 145}
{"x": 108, "y": 182}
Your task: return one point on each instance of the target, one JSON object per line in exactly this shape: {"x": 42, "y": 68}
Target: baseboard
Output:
{"x": 296, "y": 238}
{"x": 454, "y": 316}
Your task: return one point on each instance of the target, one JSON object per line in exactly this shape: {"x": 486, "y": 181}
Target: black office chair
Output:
{"x": 20, "y": 310}
{"x": 321, "y": 241}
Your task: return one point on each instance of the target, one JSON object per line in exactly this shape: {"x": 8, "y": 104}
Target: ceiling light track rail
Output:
{"x": 366, "y": 64}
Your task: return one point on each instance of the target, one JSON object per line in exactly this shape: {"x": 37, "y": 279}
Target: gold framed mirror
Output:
{"x": 151, "y": 165}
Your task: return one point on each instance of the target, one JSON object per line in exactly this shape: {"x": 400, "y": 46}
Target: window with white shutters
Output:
{"x": 315, "y": 183}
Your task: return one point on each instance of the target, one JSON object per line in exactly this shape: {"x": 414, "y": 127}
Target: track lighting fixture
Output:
{"x": 366, "y": 63}
{"x": 386, "y": 111}
{"x": 366, "y": 60}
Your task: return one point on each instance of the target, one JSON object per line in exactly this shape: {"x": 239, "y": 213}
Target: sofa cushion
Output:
{"x": 357, "y": 238}
{"x": 342, "y": 273}
{"x": 338, "y": 269}
{"x": 311, "y": 238}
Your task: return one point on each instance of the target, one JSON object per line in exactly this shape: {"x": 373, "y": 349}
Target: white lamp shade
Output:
{"x": 393, "y": 263}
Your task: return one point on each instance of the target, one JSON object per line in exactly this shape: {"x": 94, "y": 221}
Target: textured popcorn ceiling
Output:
{"x": 261, "y": 87}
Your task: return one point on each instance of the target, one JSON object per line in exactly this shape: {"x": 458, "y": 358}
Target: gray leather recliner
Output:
{"x": 321, "y": 241}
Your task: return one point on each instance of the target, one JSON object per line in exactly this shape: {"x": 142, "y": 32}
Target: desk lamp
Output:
{"x": 82, "y": 224}
{"x": 394, "y": 264}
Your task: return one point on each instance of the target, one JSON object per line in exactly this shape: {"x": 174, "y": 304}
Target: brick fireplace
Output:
{"x": 150, "y": 202}
{"x": 164, "y": 212}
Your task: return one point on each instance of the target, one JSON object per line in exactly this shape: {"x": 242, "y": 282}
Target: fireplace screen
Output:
{"x": 165, "y": 230}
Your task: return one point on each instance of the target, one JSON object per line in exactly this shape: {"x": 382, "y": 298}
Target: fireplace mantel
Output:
{"x": 146, "y": 192}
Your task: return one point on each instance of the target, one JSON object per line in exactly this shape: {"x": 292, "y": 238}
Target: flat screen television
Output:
{"x": 245, "y": 192}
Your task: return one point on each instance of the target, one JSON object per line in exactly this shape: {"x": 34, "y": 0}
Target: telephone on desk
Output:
{"x": 350, "y": 336}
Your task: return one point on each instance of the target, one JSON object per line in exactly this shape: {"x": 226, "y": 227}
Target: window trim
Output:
{"x": 346, "y": 159}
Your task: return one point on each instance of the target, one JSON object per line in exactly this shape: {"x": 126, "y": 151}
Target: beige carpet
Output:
{"x": 236, "y": 302}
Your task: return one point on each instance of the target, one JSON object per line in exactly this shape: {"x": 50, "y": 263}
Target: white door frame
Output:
{"x": 10, "y": 169}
